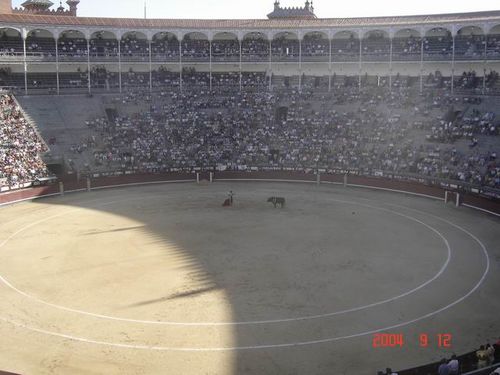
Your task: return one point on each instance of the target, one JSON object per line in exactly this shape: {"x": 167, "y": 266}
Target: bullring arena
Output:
{"x": 293, "y": 195}
{"x": 146, "y": 278}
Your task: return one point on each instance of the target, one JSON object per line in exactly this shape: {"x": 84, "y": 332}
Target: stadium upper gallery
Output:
{"x": 290, "y": 195}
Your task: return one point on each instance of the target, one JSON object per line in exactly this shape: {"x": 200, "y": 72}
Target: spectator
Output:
{"x": 443, "y": 368}
{"x": 490, "y": 351}
{"x": 496, "y": 346}
{"x": 482, "y": 357}
{"x": 454, "y": 365}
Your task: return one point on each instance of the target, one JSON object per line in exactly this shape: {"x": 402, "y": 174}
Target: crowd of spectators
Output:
{"x": 485, "y": 357}
{"x": 20, "y": 146}
{"x": 366, "y": 132}
{"x": 438, "y": 45}
{"x": 103, "y": 48}
{"x": 75, "y": 48}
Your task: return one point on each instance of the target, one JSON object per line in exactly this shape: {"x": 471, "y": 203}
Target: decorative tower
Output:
{"x": 73, "y": 6}
{"x": 298, "y": 13}
{"x": 5, "y": 6}
{"x": 37, "y": 6}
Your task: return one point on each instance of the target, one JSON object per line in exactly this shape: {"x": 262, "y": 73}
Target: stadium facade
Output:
{"x": 56, "y": 52}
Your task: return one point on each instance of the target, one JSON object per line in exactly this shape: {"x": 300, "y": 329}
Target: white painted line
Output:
{"x": 213, "y": 324}
{"x": 395, "y": 191}
{"x": 284, "y": 345}
{"x": 262, "y": 180}
{"x": 481, "y": 209}
{"x": 140, "y": 184}
{"x": 94, "y": 188}
{"x": 28, "y": 199}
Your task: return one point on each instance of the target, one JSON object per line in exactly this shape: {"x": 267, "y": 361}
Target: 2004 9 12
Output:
{"x": 393, "y": 340}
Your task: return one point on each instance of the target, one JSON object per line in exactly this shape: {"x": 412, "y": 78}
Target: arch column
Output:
{"x": 453, "y": 66}
{"x": 330, "y": 65}
{"x": 25, "y": 61}
{"x": 181, "y": 39}
{"x": 361, "y": 36}
{"x": 57, "y": 67}
{"x": 88, "y": 67}
{"x": 391, "y": 37}
{"x": 120, "y": 63}
{"x": 485, "y": 59}
{"x": 422, "y": 64}
{"x": 270, "y": 62}
{"x": 300, "y": 60}
{"x": 210, "y": 61}
{"x": 240, "y": 41}
{"x": 150, "y": 44}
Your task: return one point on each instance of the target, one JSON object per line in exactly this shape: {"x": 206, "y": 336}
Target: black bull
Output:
{"x": 277, "y": 201}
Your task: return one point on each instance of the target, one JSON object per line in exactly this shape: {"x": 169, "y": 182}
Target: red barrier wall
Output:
{"x": 71, "y": 184}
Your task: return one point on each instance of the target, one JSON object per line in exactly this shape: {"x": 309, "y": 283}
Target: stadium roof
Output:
{"x": 54, "y": 20}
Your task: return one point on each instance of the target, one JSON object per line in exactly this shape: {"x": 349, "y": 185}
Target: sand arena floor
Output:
{"x": 163, "y": 280}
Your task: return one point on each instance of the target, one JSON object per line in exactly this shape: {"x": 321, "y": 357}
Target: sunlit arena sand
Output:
{"x": 163, "y": 279}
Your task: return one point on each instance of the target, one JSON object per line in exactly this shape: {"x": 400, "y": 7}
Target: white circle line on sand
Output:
{"x": 287, "y": 345}
{"x": 213, "y": 324}
{"x": 278, "y": 346}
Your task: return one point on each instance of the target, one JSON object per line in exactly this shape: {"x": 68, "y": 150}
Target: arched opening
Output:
{"x": 376, "y": 46}
{"x": 73, "y": 78}
{"x": 134, "y": 46}
{"x": 72, "y": 45}
{"x": 285, "y": 47}
{"x": 493, "y": 51}
{"x": 469, "y": 43}
{"x": 255, "y": 47}
{"x": 104, "y": 78}
{"x": 345, "y": 46}
{"x": 165, "y": 47}
{"x": 195, "y": 47}
{"x": 438, "y": 44}
{"x": 103, "y": 46}
{"x": 315, "y": 47}
{"x": 225, "y": 47}
{"x": 11, "y": 78}
{"x": 407, "y": 45}
{"x": 40, "y": 45}
{"x": 11, "y": 43}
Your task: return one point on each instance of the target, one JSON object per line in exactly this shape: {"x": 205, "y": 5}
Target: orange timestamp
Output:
{"x": 393, "y": 340}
